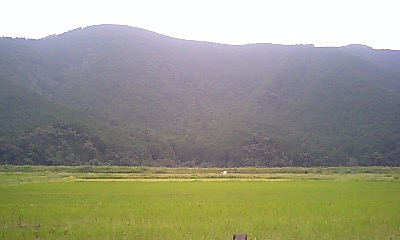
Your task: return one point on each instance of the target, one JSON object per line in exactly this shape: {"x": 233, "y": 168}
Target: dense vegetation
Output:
{"x": 120, "y": 95}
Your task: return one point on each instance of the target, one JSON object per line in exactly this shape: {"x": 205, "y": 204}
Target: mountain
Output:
{"x": 137, "y": 97}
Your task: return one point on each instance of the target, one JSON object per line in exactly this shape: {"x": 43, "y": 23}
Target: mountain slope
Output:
{"x": 186, "y": 102}
{"x": 34, "y": 129}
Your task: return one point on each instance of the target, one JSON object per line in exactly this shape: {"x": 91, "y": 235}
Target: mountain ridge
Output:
{"x": 188, "y": 102}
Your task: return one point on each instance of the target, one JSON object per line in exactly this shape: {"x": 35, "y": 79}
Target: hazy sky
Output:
{"x": 319, "y": 22}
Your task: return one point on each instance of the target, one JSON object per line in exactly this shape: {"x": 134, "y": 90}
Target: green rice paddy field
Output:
{"x": 156, "y": 203}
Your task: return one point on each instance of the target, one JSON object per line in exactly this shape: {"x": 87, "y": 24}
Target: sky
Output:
{"x": 319, "y": 22}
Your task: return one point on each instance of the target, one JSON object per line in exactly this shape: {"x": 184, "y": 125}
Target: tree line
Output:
{"x": 69, "y": 144}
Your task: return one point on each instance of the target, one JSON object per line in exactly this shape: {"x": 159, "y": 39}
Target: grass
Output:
{"x": 195, "y": 204}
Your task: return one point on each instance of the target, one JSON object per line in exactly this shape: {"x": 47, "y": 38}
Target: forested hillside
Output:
{"x": 120, "y": 95}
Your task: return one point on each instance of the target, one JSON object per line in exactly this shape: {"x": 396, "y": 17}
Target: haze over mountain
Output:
{"x": 112, "y": 94}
